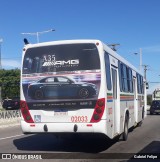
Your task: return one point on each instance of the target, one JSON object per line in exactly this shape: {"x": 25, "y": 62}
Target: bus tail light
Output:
{"x": 25, "y": 112}
{"x": 98, "y": 111}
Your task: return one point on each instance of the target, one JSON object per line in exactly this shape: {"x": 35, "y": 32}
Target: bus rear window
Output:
{"x": 58, "y": 58}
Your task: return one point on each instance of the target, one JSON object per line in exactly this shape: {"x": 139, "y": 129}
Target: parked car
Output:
{"x": 60, "y": 87}
{"x": 10, "y": 104}
{"x": 155, "y": 107}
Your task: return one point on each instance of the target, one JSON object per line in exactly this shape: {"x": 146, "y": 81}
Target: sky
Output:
{"x": 133, "y": 24}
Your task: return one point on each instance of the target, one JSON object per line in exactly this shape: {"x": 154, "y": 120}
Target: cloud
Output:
{"x": 11, "y": 64}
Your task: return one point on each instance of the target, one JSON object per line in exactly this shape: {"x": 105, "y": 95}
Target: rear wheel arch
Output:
{"x": 127, "y": 113}
{"x": 140, "y": 123}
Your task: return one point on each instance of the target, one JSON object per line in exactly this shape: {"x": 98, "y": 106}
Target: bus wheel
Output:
{"x": 38, "y": 94}
{"x": 83, "y": 93}
{"x": 125, "y": 133}
{"x": 143, "y": 113}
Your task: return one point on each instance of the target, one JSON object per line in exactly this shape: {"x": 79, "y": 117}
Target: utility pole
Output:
{"x": 140, "y": 55}
{"x": 140, "y": 58}
{"x": 1, "y": 40}
{"x": 145, "y": 71}
{"x": 145, "y": 89}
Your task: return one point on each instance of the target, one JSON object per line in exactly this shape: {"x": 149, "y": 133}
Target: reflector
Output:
{"x": 97, "y": 43}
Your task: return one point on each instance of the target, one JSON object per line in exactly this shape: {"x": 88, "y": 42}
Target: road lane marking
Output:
{"x": 12, "y": 136}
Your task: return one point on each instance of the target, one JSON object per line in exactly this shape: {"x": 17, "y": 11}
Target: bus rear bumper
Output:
{"x": 64, "y": 127}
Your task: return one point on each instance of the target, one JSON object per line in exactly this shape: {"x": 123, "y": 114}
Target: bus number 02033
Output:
{"x": 79, "y": 119}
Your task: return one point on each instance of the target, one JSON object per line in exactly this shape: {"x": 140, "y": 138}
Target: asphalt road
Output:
{"x": 84, "y": 148}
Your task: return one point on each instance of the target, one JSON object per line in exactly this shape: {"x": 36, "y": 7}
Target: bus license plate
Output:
{"x": 60, "y": 113}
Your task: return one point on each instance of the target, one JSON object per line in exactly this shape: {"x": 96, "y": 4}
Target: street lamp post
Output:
{"x": 140, "y": 55}
{"x": 1, "y": 40}
{"x": 38, "y": 33}
{"x": 140, "y": 59}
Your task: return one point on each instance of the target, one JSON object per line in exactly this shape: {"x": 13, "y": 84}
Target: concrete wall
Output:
{"x": 9, "y": 118}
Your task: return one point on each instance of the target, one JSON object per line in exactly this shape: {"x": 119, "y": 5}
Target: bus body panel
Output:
{"x": 61, "y": 116}
{"x": 64, "y": 127}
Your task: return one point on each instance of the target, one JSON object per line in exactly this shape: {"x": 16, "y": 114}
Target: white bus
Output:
{"x": 79, "y": 86}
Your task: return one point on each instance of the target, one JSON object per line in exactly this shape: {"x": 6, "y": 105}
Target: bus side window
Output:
{"x": 120, "y": 76}
{"x": 108, "y": 73}
{"x": 130, "y": 81}
{"x": 124, "y": 78}
{"x": 140, "y": 84}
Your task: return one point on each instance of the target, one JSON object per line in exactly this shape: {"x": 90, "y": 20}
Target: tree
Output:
{"x": 10, "y": 83}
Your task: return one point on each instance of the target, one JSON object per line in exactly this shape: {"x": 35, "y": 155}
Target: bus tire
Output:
{"x": 38, "y": 94}
{"x": 125, "y": 133}
{"x": 143, "y": 113}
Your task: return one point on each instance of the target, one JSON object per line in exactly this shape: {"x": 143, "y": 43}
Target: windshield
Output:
{"x": 58, "y": 58}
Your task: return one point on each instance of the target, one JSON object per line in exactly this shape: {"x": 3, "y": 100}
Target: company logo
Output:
{"x": 50, "y": 60}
